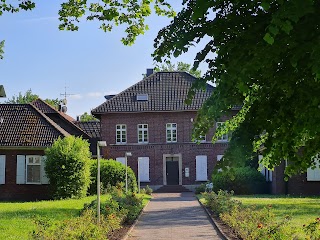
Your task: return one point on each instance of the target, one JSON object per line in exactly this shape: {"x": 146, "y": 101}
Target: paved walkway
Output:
{"x": 176, "y": 216}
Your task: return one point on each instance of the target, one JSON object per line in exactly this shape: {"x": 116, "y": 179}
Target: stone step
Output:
{"x": 172, "y": 189}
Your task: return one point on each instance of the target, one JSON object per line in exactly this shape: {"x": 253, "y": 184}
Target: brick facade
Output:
{"x": 157, "y": 146}
{"x": 12, "y": 191}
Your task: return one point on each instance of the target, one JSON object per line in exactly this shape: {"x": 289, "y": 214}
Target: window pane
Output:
{"x": 33, "y": 173}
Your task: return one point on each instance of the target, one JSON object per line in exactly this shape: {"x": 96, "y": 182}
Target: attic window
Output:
{"x": 142, "y": 97}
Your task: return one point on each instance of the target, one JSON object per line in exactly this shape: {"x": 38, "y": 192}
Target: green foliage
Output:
{"x": 221, "y": 202}
{"x": 252, "y": 223}
{"x": 83, "y": 227}
{"x": 201, "y": 188}
{"x": 312, "y": 229}
{"x": 262, "y": 55}
{"x": 29, "y": 97}
{"x": 244, "y": 180}
{"x": 181, "y": 66}
{"x": 87, "y": 117}
{"x": 125, "y": 207}
{"x": 111, "y": 173}
{"x": 68, "y": 167}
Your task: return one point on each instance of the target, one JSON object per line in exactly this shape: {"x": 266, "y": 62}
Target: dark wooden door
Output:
{"x": 172, "y": 172}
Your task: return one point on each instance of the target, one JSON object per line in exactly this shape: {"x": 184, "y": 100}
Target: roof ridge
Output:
{"x": 56, "y": 126}
{"x": 60, "y": 115}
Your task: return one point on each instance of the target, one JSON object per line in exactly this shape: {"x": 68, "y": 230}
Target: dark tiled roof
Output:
{"x": 23, "y": 125}
{"x": 92, "y": 128}
{"x": 61, "y": 119}
{"x": 166, "y": 91}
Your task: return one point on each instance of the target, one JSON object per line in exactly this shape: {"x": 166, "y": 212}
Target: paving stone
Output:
{"x": 176, "y": 216}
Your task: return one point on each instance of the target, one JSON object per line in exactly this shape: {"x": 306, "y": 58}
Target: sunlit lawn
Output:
{"x": 16, "y": 219}
{"x": 301, "y": 209}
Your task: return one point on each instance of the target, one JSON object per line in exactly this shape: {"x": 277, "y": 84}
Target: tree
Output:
{"x": 68, "y": 167}
{"x": 29, "y": 97}
{"x": 181, "y": 66}
{"x": 261, "y": 55}
{"x": 87, "y": 117}
{"x": 131, "y": 13}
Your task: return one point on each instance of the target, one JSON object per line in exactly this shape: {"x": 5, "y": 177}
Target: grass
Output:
{"x": 302, "y": 209}
{"x": 16, "y": 218}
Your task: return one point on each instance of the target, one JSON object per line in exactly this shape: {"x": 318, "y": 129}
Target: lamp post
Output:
{"x": 99, "y": 144}
{"x": 127, "y": 154}
{"x": 139, "y": 174}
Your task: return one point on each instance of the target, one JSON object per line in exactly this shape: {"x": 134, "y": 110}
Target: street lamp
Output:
{"x": 99, "y": 144}
{"x": 127, "y": 154}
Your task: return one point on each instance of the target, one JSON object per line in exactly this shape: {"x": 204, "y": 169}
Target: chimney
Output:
{"x": 149, "y": 72}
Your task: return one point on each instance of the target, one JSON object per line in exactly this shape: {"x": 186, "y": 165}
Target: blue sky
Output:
{"x": 90, "y": 63}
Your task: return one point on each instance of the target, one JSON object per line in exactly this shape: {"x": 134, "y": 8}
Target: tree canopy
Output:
{"x": 29, "y": 97}
{"x": 264, "y": 56}
{"x": 87, "y": 117}
{"x": 180, "y": 66}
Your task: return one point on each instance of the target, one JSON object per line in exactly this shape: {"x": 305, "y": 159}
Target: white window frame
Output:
{"x": 121, "y": 132}
{"x": 224, "y": 137}
{"x": 33, "y": 157}
{"x": 171, "y": 132}
{"x": 143, "y": 132}
{"x": 201, "y": 139}
{"x": 267, "y": 173}
{"x": 313, "y": 175}
{"x": 22, "y": 169}
{"x": 142, "y": 97}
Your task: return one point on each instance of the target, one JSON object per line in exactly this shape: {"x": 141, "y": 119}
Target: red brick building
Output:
{"x": 26, "y": 130}
{"x": 151, "y": 120}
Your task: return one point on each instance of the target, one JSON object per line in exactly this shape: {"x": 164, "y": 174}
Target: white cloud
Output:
{"x": 75, "y": 96}
{"x": 95, "y": 94}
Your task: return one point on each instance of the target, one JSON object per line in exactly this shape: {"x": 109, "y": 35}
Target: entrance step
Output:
{"x": 172, "y": 189}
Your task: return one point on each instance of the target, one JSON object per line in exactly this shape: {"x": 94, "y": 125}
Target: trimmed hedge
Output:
{"x": 244, "y": 180}
{"x": 112, "y": 173}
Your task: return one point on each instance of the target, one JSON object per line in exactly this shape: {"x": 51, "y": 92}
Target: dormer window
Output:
{"x": 142, "y": 97}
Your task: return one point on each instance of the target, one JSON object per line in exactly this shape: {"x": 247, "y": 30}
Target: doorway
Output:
{"x": 172, "y": 169}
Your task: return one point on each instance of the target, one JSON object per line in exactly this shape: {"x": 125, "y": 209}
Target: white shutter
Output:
{"x": 314, "y": 174}
{"x": 201, "y": 168}
{"x": 144, "y": 169}
{"x": 21, "y": 169}
{"x": 44, "y": 178}
{"x": 121, "y": 159}
{"x": 2, "y": 169}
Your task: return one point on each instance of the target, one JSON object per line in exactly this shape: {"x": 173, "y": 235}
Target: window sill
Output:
{"x": 145, "y": 181}
{"x": 197, "y": 180}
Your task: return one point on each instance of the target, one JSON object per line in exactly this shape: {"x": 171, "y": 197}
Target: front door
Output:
{"x": 172, "y": 168}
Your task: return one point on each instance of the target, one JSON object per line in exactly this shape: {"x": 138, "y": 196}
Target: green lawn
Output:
{"x": 301, "y": 209}
{"x": 16, "y": 219}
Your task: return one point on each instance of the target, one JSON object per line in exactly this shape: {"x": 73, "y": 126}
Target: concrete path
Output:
{"x": 177, "y": 216}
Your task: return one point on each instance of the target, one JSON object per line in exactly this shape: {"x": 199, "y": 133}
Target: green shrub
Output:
{"x": 126, "y": 207}
{"x": 111, "y": 174}
{"x": 68, "y": 167}
{"x": 201, "y": 188}
{"x": 147, "y": 190}
{"x": 83, "y": 227}
{"x": 221, "y": 202}
{"x": 244, "y": 180}
{"x": 251, "y": 223}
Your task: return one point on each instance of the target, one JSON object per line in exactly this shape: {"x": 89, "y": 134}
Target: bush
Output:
{"x": 244, "y": 180}
{"x": 68, "y": 167}
{"x": 221, "y": 202}
{"x": 201, "y": 188}
{"x": 126, "y": 207}
{"x": 147, "y": 190}
{"x": 112, "y": 173}
{"x": 83, "y": 227}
